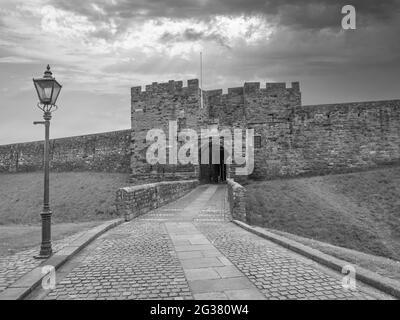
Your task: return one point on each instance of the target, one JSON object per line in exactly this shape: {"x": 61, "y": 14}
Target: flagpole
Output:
{"x": 201, "y": 80}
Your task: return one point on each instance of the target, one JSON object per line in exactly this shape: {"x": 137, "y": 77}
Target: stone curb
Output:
{"x": 387, "y": 285}
{"x": 29, "y": 281}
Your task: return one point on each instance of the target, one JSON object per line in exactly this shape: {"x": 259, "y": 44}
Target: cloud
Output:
{"x": 99, "y": 48}
{"x": 224, "y": 31}
{"x": 122, "y": 41}
{"x": 16, "y": 60}
{"x": 190, "y": 35}
{"x": 300, "y": 13}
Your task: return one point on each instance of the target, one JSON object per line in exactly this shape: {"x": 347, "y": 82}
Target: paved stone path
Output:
{"x": 13, "y": 267}
{"x": 189, "y": 249}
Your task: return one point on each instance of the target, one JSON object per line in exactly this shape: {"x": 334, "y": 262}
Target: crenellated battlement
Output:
{"x": 255, "y": 88}
{"x": 171, "y": 86}
{"x": 280, "y": 86}
{"x": 234, "y": 105}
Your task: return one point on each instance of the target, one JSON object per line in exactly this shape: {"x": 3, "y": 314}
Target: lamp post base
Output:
{"x": 42, "y": 256}
{"x": 45, "y": 251}
{"x": 45, "y": 248}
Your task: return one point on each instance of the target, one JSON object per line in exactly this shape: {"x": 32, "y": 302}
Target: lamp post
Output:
{"x": 48, "y": 90}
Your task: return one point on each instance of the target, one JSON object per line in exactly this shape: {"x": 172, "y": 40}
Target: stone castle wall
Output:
{"x": 322, "y": 139}
{"x": 295, "y": 139}
{"x": 153, "y": 109}
{"x": 160, "y": 103}
{"x": 109, "y": 152}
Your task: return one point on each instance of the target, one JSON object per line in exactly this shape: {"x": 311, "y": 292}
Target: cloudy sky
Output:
{"x": 98, "y": 49}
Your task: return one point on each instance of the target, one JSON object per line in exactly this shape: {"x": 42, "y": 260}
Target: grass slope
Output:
{"x": 360, "y": 211}
{"x": 74, "y": 196}
{"x": 15, "y": 238}
{"x": 384, "y": 266}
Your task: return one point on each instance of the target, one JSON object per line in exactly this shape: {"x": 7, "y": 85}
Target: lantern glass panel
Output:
{"x": 56, "y": 92}
{"x": 44, "y": 89}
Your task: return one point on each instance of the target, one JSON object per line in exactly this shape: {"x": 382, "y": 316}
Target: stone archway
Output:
{"x": 213, "y": 172}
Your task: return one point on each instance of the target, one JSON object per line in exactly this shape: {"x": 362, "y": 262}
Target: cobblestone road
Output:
{"x": 189, "y": 250}
{"x": 14, "y": 266}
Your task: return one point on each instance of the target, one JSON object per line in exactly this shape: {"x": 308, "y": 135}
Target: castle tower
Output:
{"x": 247, "y": 107}
{"x": 154, "y": 108}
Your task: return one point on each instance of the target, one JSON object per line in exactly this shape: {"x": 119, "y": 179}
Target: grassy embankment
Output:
{"x": 79, "y": 200}
{"x": 359, "y": 211}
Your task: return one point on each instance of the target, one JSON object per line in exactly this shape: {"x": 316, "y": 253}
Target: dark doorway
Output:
{"x": 213, "y": 173}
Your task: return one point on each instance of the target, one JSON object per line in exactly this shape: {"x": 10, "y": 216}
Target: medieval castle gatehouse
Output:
{"x": 289, "y": 139}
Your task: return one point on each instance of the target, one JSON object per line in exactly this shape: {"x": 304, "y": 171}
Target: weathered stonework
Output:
{"x": 137, "y": 200}
{"x": 294, "y": 139}
{"x": 164, "y": 102}
{"x": 329, "y": 138}
{"x": 109, "y": 152}
{"x": 237, "y": 200}
{"x": 153, "y": 109}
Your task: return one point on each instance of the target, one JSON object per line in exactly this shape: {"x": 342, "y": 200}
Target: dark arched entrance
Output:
{"x": 212, "y": 172}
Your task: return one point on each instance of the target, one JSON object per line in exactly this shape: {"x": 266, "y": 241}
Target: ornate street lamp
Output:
{"x": 48, "y": 90}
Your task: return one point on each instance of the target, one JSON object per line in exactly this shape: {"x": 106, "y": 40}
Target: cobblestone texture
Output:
{"x": 133, "y": 261}
{"x": 15, "y": 266}
{"x": 277, "y": 274}
{"x": 189, "y": 250}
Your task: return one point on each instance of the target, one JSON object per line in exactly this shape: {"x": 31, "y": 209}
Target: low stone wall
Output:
{"x": 136, "y": 200}
{"x": 237, "y": 200}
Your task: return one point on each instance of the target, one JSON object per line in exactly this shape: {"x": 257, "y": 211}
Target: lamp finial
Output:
{"x": 48, "y": 73}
